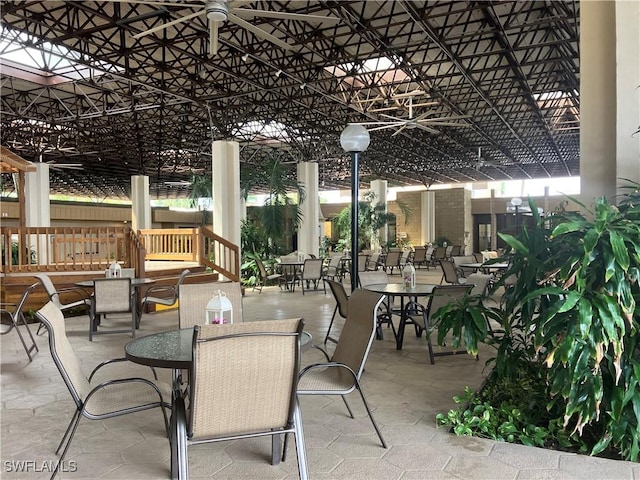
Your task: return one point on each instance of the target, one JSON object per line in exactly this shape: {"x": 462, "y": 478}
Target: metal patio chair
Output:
{"x": 97, "y": 399}
{"x": 244, "y": 378}
{"x": 340, "y": 374}
{"x": 312, "y": 272}
{"x": 80, "y": 297}
{"x": 13, "y": 313}
{"x": 166, "y": 295}
{"x": 342, "y": 306}
{"x": 112, "y": 297}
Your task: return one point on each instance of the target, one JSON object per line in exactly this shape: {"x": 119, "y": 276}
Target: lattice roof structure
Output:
{"x": 105, "y": 105}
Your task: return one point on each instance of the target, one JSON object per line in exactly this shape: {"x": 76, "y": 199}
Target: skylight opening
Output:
{"x": 265, "y": 132}
{"x": 383, "y": 69}
{"x": 27, "y": 56}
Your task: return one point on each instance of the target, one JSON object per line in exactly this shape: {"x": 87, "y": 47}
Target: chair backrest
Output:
{"x": 261, "y": 269}
{"x": 52, "y": 293}
{"x": 393, "y": 258}
{"x": 193, "y": 299}
{"x": 459, "y": 260}
{"x": 17, "y": 312}
{"x": 312, "y": 269}
{"x": 447, "y": 251}
{"x": 363, "y": 258}
{"x": 340, "y": 294}
{"x": 112, "y": 295}
{"x": 372, "y": 261}
{"x": 373, "y": 277}
{"x": 445, "y": 294}
{"x": 181, "y": 278}
{"x": 419, "y": 255}
{"x": 478, "y": 257}
{"x": 439, "y": 253}
{"x": 358, "y": 330}
{"x": 479, "y": 282}
{"x": 63, "y": 355}
{"x": 244, "y": 377}
{"x": 449, "y": 271}
{"x": 335, "y": 260}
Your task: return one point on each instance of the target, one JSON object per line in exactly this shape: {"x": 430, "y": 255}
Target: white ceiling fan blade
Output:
{"x": 392, "y": 125}
{"x": 285, "y": 15}
{"x": 446, "y": 124}
{"x": 259, "y": 32}
{"x": 438, "y": 119}
{"x": 213, "y": 38}
{"x": 399, "y": 130}
{"x": 378, "y": 123}
{"x": 168, "y": 24}
{"x": 391, "y": 117}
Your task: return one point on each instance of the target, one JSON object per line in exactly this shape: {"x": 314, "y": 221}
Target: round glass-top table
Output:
{"x": 173, "y": 348}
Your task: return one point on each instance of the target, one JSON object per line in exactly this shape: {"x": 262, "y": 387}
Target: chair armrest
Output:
{"x": 316, "y": 366}
{"x": 116, "y": 360}
{"x": 81, "y": 292}
{"x": 161, "y": 288}
{"x": 127, "y": 380}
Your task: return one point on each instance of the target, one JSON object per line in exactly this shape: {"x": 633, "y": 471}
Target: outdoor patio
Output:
{"x": 403, "y": 389}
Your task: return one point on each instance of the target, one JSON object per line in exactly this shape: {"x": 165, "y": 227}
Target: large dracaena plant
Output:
{"x": 571, "y": 311}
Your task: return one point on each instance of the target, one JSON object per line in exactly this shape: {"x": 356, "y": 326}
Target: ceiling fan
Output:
{"x": 483, "y": 161}
{"x": 221, "y": 11}
{"x": 422, "y": 122}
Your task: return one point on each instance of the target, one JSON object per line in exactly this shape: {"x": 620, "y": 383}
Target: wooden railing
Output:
{"x": 193, "y": 244}
{"x": 39, "y": 249}
{"x": 171, "y": 243}
{"x": 52, "y": 249}
{"x": 220, "y": 254}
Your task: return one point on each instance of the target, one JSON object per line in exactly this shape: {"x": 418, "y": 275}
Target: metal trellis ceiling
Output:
{"x": 114, "y": 106}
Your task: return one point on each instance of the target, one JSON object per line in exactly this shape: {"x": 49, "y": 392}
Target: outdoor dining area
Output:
{"x": 207, "y": 374}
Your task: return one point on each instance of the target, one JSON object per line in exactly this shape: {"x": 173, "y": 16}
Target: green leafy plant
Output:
{"x": 371, "y": 218}
{"x": 570, "y": 315}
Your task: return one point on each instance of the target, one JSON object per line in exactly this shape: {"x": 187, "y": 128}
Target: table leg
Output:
{"x": 403, "y": 321}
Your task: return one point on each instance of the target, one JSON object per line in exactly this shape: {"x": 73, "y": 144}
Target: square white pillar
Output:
{"x": 140, "y": 203}
{"x": 308, "y": 230}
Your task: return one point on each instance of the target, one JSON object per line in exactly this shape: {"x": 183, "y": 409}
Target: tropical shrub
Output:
{"x": 570, "y": 314}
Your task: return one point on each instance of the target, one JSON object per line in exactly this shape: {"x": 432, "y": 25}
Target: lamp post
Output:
{"x": 354, "y": 140}
{"x": 516, "y": 202}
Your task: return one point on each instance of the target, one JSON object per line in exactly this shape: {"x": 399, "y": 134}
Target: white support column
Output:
{"x": 226, "y": 190}
{"x": 140, "y": 203}
{"x": 38, "y": 212}
{"x": 428, "y": 225}
{"x": 37, "y": 208}
{"x": 379, "y": 188}
{"x": 308, "y": 239}
{"x": 628, "y": 93}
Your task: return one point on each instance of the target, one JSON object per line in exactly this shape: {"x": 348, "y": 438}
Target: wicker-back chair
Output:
{"x": 193, "y": 299}
{"x": 112, "y": 297}
{"x": 97, "y": 400}
{"x": 342, "y": 306}
{"x": 13, "y": 315}
{"x": 166, "y": 295}
{"x": 340, "y": 375}
{"x": 312, "y": 272}
{"x": 244, "y": 379}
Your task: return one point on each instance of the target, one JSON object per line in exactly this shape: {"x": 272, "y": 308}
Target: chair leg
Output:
{"x": 179, "y": 458}
{"x": 373, "y": 421}
{"x": 344, "y": 399}
{"x": 24, "y": 344}
{"x": 300, "y": 448}
{"x": 68, "y": 435}
{"x": 276, "y": 450}
{"x": 328, "y": 337}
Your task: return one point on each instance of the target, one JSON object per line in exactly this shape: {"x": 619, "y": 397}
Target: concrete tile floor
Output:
{"x": 402, "y": 388}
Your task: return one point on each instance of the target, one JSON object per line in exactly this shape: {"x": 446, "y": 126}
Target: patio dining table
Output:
{"x": 400, "y": 290}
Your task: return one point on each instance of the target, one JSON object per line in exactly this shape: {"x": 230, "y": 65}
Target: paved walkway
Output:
{"x": 404, "y": 390}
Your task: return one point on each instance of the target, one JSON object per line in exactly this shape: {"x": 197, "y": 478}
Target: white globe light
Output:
{"x": 516, "y": 202}
{"x": 355, "y": 138}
